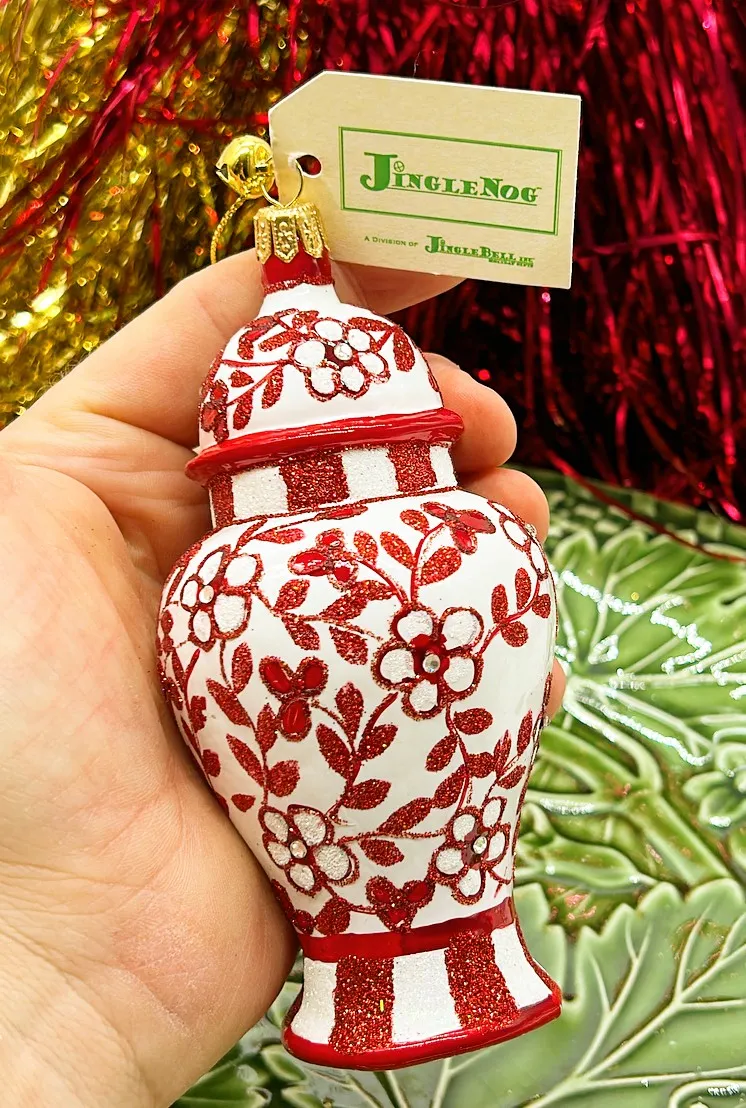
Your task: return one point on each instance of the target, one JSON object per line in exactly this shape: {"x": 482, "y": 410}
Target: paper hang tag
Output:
{"x": 435, "y": 177}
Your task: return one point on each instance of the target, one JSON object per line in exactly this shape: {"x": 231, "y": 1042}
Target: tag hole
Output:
{"x": 309, "y": 165}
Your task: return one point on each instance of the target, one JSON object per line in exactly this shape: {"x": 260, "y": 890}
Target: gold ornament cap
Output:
{"x": 283, "y": 231}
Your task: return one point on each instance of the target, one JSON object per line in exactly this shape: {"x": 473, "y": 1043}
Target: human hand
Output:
{"x": 139, "y": 937}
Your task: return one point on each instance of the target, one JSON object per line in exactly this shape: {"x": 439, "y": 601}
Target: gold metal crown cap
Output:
{"x": 281, "y": 230}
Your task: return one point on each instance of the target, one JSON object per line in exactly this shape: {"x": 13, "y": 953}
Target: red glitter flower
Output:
{"x": 327, "y": 558}
{"x": 335, "y": 357}
{"x": 431, "y": 659}
{"x": 217, "y": 596}
{"x": 294, "y": 691}
{"x": 464, "y": 526}
{"x": 301, "y": 842}
{"x": 523, "y": 537}
{"x": 475, "y": 842}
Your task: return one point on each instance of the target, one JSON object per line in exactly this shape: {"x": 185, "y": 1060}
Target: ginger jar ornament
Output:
{"x": 359, "y": 655}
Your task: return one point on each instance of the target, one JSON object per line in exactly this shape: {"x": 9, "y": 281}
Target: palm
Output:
{"x": 141, "y": 892}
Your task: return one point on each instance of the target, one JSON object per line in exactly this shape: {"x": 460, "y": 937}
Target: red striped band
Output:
{"x": 266, "y": 447}
{"x": 393, "y": 944}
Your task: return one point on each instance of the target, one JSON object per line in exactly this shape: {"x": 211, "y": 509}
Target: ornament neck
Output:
{"x": 303, "y": 269}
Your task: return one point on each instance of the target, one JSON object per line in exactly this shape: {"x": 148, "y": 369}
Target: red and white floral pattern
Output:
{"x": 475, "y": 841}
{"x": 431, "y": 658}
{"x": 341, "y": 364}
{"x": 349, "y": 667}
{"x": 361, "y": 671}
{"x": 300, "y": 842}
{"x": 217, "y": 596}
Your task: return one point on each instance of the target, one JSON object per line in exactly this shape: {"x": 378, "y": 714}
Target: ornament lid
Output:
{"x": 311, "y": 373}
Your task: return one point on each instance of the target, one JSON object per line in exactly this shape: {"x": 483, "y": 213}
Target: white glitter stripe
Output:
{"x": 440, "y": 460}
{"x": 370, "y": 472}
{"x": 258, "y": 492}
{"x": 314, "y": 1020}
{"x": 423, "y": 1005}
{"x": 521, "y": 978}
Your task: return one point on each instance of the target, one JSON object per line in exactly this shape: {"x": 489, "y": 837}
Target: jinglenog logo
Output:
{"x": 389, "y": 172}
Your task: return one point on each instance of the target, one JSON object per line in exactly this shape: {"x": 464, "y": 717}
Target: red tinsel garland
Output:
{"x": 637, "y": 374}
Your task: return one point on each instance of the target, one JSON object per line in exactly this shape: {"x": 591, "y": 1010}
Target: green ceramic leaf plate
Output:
{"x": 632, "y": 857}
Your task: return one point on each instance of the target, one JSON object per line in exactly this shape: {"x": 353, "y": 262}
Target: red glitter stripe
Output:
{"x": 414, "y": 470}
{"x": 392, "y": 944}
{"x": 480, "y": 994}
{"x": 221, "y": 499}
{"x": 363, "y": 1005}
{"x": 266, "y": 447}
{"x": 314, "y": 479}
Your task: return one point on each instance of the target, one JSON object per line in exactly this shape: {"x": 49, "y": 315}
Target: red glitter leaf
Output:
{"x": 229, "y": 703}
{"x": 448, "y": 791}
{"x": 242, "y": 411}
{"x": 525, "y": 731}
{"x": 347, "y": 607}
{"x": 523, "y": 588}
{"x": 502, "y": 753}
{"x": 366, "y": 546}
{"x": 375, "y": 741}
{"x": 499, "y": 603}
{"x": 403, "y": 351}
{"x": 302, "y": 633}
{"x": 335, "y": 752}
{"x": 473, "y": 721}
{"x": 197, "y": 712}
{"x": 247, "y": 759}
{"x": 407, "y": 816}
{"x": 211, "y": 763}
{"x": 417, "y": 520}
{"x": 443, "y": 563}
{"x": 381, "y": 851}
{"x": 366, "y": 794}
{"x": 349, "y": 701}
{"x": 240, "y": 379}
{"x": 302, "y": 921}
{"x": 282, "y": 338}
{"x": 397, "y": 549}
{"x": 291, "y": 595}
{"x": 334, "y": 917}
{"x": 243, "y": 801}
{"x": 515, "y": 634}
{"x": 266, "y": 728}
{"x": 178, "y": 669}
{"x": 542, "y": 606}
{"x": 512, "y": 778}
{"x": 241, "y": 667}
{"x": 374, "y": 590}
{"x": 353, "y": 648}
{"x": 288, "y": 534}
{"x": 272, "y": 390}
{"x": 283, "y": 777}
{"x": 441, "y": 753}
{"x": 480, "y": 765}
{"x": 254, "y": 331}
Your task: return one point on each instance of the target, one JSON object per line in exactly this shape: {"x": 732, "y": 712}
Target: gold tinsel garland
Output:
{"x": 112, "y": 116}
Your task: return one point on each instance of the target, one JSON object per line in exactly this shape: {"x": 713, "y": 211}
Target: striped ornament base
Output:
{"x": 475, "y": 988}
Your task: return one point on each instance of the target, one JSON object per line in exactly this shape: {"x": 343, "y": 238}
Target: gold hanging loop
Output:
{"x": 246, "y": 166}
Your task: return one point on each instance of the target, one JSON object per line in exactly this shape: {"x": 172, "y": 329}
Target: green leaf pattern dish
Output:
{"x": 632, "y": 856}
